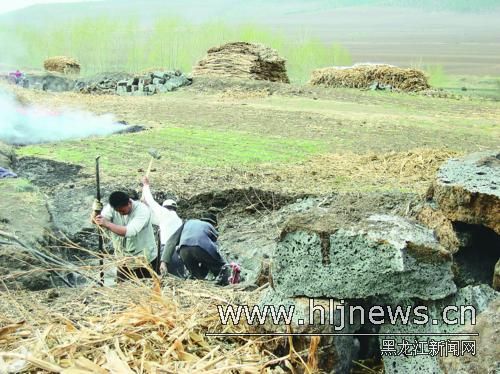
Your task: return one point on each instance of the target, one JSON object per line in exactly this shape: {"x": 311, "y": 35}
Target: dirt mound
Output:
{"x": 364, "y": 76}
{"x": 243, "y": 60}
{"x": 62, "y": 64}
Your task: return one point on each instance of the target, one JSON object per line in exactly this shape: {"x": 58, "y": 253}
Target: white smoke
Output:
{"x": 35, "y": 124}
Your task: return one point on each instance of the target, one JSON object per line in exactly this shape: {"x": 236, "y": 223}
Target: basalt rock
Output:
{"x": 442, "y": 226}
{"x": 487, "y": 358}
{"x": 382, "y": 255}
{"x": 469, "y": 302}
{"x": 468, "y": 190}
{"x": 496, "y": 276}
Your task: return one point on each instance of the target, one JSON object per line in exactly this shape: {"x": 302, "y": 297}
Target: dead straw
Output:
{"x": 364, "y": 75}
{"x": 135, "y": 327}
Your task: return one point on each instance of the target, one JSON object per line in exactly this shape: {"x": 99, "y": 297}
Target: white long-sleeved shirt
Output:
{"x": 168, "y": 220}
{"x": 139, "y": 238}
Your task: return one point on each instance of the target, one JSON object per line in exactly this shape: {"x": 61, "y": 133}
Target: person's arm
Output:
{"x": 171, "y": 244}
{"x": 105, "y": 220}
{"x": 117, "y": 229}
{"x": 213, "y": 234}
{"x": 141, "y": 218}
{"x": 156, "y": 208}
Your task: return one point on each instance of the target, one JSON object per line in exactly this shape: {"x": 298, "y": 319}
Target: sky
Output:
{"x": 8, "y": 5}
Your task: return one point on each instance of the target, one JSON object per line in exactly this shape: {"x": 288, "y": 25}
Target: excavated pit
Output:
{"x": 340, "y": 232}
{"x": 250, "y": 219}
{"x": 476, "y": 258}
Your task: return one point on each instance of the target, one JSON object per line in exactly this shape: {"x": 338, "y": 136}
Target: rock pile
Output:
{"x": 62, "y": 64}
{"x": 371, "y": 76}
{"x": 110, "y": 83}
{"x": 132, "y": 85}
{"x": 243, "y": 60}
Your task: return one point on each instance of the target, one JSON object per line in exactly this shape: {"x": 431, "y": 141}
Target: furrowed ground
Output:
{"x": 220, "y": 134}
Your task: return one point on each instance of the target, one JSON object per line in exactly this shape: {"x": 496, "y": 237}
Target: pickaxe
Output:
{"x": 154, "y": 155}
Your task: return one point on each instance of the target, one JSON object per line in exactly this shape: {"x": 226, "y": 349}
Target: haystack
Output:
{"x": 243, "y": 60}
{"x": 62, "y": 64}
{"x": 365, "y": 75}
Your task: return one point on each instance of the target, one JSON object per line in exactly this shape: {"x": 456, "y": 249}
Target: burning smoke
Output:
{"x": 34, "y": 124}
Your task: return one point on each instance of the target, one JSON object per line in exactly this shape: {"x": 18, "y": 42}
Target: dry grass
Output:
{"x": 243, "y": 60}
{"x": 362, "y": 76}
{"x": 62, "y": 64}
{"x": 240, "y": 94}
{"x": 410, "y": 170}
{"x": 134, "y": 328}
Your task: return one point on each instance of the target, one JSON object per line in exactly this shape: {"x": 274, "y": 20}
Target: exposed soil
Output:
{"x": 367, "y": 145}
{"x": 47, "y": 173}
{"x": 378, "y": 155}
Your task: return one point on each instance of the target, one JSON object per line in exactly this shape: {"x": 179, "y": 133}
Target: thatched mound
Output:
{"x": 243, "y": 60}
{"x": 365, "y": 75}
{"x": 62, "y": 64}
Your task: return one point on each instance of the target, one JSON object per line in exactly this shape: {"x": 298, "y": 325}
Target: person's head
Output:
{"x": 210, "y": 218}
{"x": 120, "y": 201}
{"x": 169, "y": 204}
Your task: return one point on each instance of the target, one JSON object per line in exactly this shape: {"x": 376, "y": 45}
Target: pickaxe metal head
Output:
{"x": 154, "y": 153}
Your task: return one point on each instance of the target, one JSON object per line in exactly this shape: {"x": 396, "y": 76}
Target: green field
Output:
{"x": 332, "y": 139}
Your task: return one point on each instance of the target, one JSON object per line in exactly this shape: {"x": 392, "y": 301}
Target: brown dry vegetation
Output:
{"x": 132, "y": 328}
{"x": 354, "y": 140}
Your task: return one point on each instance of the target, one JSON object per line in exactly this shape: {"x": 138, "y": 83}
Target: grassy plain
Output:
{"x": 298, "y": 139}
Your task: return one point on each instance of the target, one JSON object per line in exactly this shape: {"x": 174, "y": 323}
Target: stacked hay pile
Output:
{"x": 62, "y": 64}
{"x": 365, "y": 75}
{"x": 243, "y": 60}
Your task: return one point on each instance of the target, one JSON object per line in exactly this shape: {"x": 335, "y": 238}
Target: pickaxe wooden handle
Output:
{"x": 149, "y": 167}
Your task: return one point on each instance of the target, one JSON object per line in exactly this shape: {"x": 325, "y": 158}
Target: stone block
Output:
{"x": 381, "y": 255}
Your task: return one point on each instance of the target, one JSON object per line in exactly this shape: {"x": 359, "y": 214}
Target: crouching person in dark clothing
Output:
{"x": 196, "y": 243}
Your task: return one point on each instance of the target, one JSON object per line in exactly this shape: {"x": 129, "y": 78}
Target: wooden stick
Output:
{"x": 149, "y": 167}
